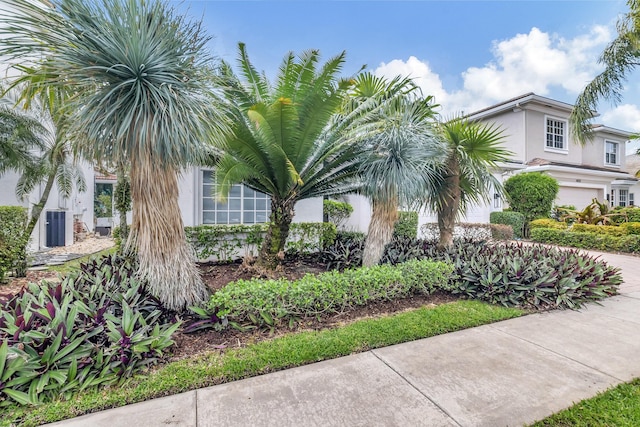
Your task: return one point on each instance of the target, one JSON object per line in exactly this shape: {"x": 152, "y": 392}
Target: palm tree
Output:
{"x": 283, "y": 142}
{"x": 40, "y": 153}
{"x": 142, "y": 96}
{"x": 400, "y": 150}
{"x": 620, "y": 57}
{"x": 474, "y": 149}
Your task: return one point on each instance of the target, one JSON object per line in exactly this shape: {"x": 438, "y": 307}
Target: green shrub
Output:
{"x": 97, "y": 327}
{"x": 547, "y": 223}
{"x": 611, "y": 230}
{"x": 463, "y": 230}
{"x": 337, "y": 212}
{"x": 501, "y": 232}
{"x": 514, "y": 219}
{"x": 228, "y": 242}
{"x": 270, "y": 302}
{"x": 631, "y": 227}
{"x": 528, "y": 276}
{"x": 345, "y": 252}
{"x": 310, "y": 237}
{"x": 586, "y": 240}
{"x": 626, "y": 214}
{"x": 406, "y": 226}
{"x": 13, "y": 242}
{"x": 532, "y": 194}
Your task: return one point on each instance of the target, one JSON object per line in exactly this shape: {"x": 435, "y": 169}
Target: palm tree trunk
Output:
{"x": 121, "y": 204}
{"x": 272, "y": 250}
{"x": 451, "y": 204}
{"x": 166, "y": 260}
{"x": 380, "y": 232}
{"x": 36, "y": 210}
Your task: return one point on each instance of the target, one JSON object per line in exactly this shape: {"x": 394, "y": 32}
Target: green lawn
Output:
{"x": 69, "y": 266}
{"x": 617, "y": 407}
{"x": 291, "y": 350}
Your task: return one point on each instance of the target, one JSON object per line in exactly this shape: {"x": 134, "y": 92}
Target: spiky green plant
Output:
{"x": 619, "y": 58}
{"x": 474, "y": 149}
{"x": 282, "y": 142}
{"x": 140, "y": 78}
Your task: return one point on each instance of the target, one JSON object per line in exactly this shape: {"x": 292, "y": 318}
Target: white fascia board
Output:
{"x": 567, "y": 169}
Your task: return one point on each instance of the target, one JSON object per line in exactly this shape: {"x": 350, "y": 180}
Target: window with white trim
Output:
{"x": 611, "y": 153}
{"x": 631, "y": 200}
{"x": 622, "y": 197}
{"x": 244, "y": 205}
{"x": 556, "y": 134}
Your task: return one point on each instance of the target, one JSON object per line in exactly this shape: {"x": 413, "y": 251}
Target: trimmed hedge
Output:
{"x": 337, "y": 211}
{"x": 261, "y": 302}
{"x": 610, "y": 230}
{"x": 501, "y": 232}
{"x": 228, "y": 242}
{"x": 587, "y": 240}
{"x": 547, "y": 223}
{"x": 13, "y": 242}
{"x": 406, "y": 226}
{"x": 514, "y": 219}
{"x": 476, "y": 232}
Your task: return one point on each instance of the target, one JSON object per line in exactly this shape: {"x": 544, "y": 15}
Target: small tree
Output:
{"x": 532, "y": 194}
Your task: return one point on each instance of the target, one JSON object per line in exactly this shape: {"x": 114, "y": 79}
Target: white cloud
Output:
{"x": 625, "y": 116}
{"x": 535, "y": 62}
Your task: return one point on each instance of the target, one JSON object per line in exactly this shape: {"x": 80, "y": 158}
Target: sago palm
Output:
{"x": 282, "y": 143}
{"x": 400, "y": 152}
{"x": 474, "y": 149}
{"x": 142, "y": 96}
{"x": 619, "y": 58}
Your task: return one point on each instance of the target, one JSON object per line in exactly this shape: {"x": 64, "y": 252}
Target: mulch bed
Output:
{"x": 216, "y": 276}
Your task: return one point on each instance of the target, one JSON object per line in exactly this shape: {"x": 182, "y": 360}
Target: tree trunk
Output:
{"x": 272, "y": 250}
{"x": 123, "y": 203}
{"x": 380, "y": 232}
{"x": 166, "y": 260}
{"x": 36, "y": 210}
{"x": 451, "y": 204}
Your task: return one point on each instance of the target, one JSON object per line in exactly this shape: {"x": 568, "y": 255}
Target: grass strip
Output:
{"x": 74, "y": 264}
{"x": 619, "y": 406}
{"x": 284, "y": 352}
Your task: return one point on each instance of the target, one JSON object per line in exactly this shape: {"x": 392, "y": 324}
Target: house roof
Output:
{"x": 544, "y": 162}
{"x": 518, "y": 102}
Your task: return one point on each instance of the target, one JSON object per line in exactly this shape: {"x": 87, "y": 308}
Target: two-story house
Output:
{"x": 538, "y": 134}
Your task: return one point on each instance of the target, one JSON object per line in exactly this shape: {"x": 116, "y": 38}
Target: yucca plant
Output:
{"x": 142, "y": 95}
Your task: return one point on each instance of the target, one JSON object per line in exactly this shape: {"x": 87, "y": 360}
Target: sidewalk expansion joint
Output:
{"x": 444, "y": 411}
{"x": 564, "y": 356}
{"x": 196, "y": 405}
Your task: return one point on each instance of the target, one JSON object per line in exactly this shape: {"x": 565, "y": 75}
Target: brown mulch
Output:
{"x": 217, "y": 276}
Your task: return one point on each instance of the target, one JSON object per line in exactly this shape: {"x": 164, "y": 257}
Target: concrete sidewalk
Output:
{"x": 505, "y": 374}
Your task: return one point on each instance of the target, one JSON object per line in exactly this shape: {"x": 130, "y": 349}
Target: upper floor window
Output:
{"x": 244, "y": 205}
{"x": 556, "y": 134}
{"x": 611, "y": 153}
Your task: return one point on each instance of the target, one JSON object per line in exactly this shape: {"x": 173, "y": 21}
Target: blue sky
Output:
{"x": 469, "y": 54}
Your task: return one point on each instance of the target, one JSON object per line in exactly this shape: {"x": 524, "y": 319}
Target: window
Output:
{"x": 622, "y": 194}
{"x": 243, "y": 205}
{"x": 611, "y": 153}
{"x": 613, "y": 198}
{"x": 631, "y": 201}
{"x": 556, "y": 134}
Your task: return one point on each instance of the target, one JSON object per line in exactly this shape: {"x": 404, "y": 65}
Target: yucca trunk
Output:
{"x": 380, "y": 232}
{"x": 272, "y": 250}
{"x": 450, "y": 204}
{"x": 157, "y": 236}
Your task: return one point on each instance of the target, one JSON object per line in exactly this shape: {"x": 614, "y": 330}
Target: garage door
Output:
{"x": 578, "y": 197}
